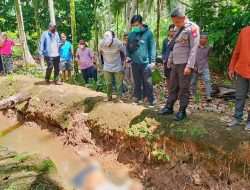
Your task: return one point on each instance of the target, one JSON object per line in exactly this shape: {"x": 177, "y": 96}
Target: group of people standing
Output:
{"x": 58, "y": 54}
{"x": 185, "y": 55}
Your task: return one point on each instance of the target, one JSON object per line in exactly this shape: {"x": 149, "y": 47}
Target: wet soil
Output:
{"x": 198, "y": 153}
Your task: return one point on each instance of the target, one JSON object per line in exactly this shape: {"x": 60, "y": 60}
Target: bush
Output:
{"x": 223, "y": 22}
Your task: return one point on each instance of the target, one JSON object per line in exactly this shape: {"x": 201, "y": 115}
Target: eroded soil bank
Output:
{"x": 198, "y": 153}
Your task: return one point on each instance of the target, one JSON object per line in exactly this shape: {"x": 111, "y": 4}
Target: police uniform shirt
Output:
{"x": 186, "y": 45}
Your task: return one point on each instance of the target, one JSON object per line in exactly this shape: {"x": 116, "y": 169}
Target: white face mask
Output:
{"x": 82, "y": 46}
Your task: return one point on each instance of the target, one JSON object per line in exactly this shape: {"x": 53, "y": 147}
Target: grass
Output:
{"x": 140, "y": 131}
{"x": 46, "y": 165}
{"x": 195, "y": 132}
{"x": 197, "y": 99}
{"x": 21, "y": 157}
{"x": 231, "y": 104}
{"x": 11, "y": 79}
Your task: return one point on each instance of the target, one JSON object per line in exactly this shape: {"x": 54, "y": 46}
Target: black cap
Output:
{"x": 178, "y": 13}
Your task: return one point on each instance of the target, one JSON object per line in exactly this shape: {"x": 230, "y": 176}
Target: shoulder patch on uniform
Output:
{"x": 194, "y": 32}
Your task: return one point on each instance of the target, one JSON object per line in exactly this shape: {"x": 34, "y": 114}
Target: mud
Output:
{"x": 198, "y": 153}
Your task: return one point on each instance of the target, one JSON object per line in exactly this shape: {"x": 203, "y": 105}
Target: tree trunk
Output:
{"x": 38, "y": 29}
{"x": 26, "y": 53}
{"x": 131, "y": 14}
{"x": 128, "y": 12}
{"x": 145, "y": 9}
{"x": 13, "y": 100}
{"x": 158, "y": 24}
{"x": 73, "y": 31}
{"x": 51, "y": 11}
{"x": 37, "y": 19}
{"x": 95, "y": 26}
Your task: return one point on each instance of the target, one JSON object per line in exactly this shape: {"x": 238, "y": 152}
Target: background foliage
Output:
{"x": 223, "y": 19}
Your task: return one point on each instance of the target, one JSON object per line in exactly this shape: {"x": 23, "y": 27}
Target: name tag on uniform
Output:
{"x": 194, "y": 32}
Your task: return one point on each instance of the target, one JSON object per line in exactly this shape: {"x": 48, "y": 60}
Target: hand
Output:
{"x": 231, "y": 74}
{"x": 169, "y": 64}
{"x": 152, "y": 65}
{"x": 127, "y": 59}
{"x": 187, "y": 71}
{"x": 195, "y": 69}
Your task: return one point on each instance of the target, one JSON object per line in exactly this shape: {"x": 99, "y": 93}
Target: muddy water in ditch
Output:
{"x": 20, "y": 138}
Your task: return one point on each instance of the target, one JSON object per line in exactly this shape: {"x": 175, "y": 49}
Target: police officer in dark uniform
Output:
{"x": 182, "y": 60}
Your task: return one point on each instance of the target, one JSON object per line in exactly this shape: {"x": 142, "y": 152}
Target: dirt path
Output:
{"x": 199, "y": 152}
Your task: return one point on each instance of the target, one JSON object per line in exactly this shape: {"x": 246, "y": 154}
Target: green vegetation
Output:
{"x": 197, "y": 99}
{"x": 231, "y": 104}
{"x": 21, "y": 157}
{"x": 140, "y": 131}
{"x": 222, "y": 19}
{"x": 46, "y": 165}
{"x": 160, "y": 155}
{"x": 11, "y": 79}
{"x": 195, "y": 132}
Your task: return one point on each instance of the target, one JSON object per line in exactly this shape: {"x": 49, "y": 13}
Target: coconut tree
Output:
{"x": 132, "y": 9}
{"x": 19, "y": 16}
{"x": 95, "y": 25}
{"x": 51, "y": 11}
{"x": 73, "y": 30}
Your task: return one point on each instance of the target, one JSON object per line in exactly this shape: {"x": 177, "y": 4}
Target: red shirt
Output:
{"x": 240, "y": 61}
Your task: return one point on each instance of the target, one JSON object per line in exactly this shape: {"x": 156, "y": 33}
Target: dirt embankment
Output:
{"x": 28, "y": 171}
{"x": 198, "y": 153}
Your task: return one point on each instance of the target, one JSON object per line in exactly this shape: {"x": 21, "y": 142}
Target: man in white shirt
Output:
{"x": 49, "y": 48}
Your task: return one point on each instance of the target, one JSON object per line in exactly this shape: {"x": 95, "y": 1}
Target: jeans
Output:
{"x": 206, "y": 78}
{"x": 88, "y": 73}
{"x": 242, "y": 87}
{"x": 108, "y": 76}
{"x": 143, "y": 81}
{"x": 52, "y": 62}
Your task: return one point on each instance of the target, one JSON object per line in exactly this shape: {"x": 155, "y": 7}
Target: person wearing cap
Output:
{"x": 239, "y": 69}
{"x": 110, "y": 49}
{"x": 85, "y": 59}
{"x": 49, "y": 48}
{"x": 201, "y": 66}
{"x": 65, "y": 57}
{"x": 141, "y": 51}
{"x": 182, "y": 58}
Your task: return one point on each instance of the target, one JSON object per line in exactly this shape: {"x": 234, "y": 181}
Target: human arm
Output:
{"x": 152, "y": 50}
{"x": 42, "y": 41}
{"x": 91, "y": 55}
{"x": 234, "y": 58}
{"x": 193, "y": 43}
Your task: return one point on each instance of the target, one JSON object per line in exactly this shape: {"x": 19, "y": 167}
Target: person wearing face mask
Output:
{"x": 49, "y": 48}
{"x": 110, "y": 48}
{"x": 141, "y": 51}
{"x": 85, "y": 59}
{"x": 65, "y": 57}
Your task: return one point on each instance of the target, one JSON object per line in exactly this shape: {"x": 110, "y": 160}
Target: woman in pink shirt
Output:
{"x": 85, "y": 58}
{"x": 6, "y": 53}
